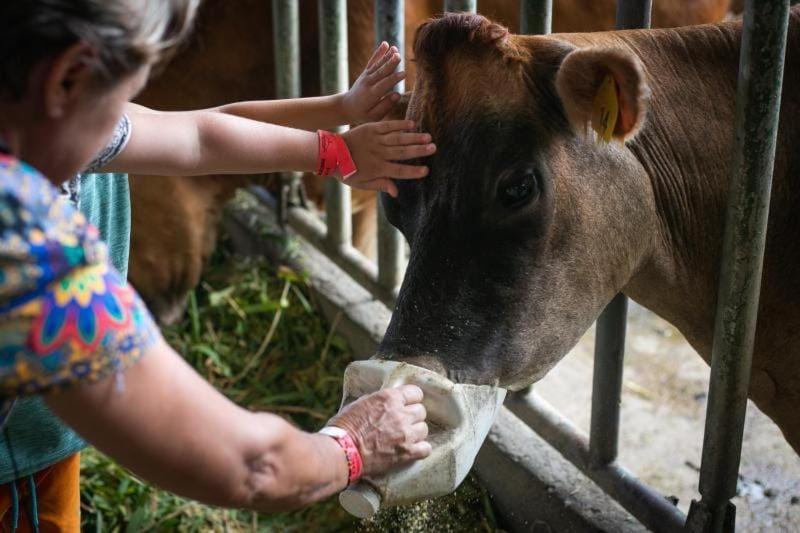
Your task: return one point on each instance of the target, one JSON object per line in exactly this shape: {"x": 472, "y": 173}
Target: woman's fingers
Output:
{"x": 417, "y": 412}
{"x": 418, "y": 450}
{"x": 419, "y": 431}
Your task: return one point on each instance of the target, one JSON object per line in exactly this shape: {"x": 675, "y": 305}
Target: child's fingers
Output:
{"x": 401, "y": 153}
{"x": 385, "y": 70}
{"x": 384, "y": 184}
{"x": 380, "y": 61}
{"x": 404, "y": 172}
{"x": 390, "y": 126}
{"x": 378, "y": 184}
{"x": 405, "y": 138}
{"x": 384, "y": 106}
{"x": 379, "y": 52}
{"x": 385, "y": 85}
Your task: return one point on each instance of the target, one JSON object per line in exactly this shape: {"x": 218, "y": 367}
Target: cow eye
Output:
{"x": 518, "y": 189}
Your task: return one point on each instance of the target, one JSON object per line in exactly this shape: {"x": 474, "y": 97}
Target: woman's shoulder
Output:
{"x": 42, "y": 236}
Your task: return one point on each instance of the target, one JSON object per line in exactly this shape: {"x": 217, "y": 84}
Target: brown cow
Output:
{"x": 527, "y": 227}
{"x": 231, "y": 58}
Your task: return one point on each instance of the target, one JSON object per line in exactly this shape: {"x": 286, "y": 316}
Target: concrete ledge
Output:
{"x": 533, "y": 487}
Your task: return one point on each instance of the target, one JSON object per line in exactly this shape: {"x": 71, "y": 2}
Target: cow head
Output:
{"x": 527, "y": 226}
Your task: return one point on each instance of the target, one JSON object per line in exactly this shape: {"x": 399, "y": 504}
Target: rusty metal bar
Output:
{"x": 758, "y": 100}
{"x": 286, "y": 32}
{"x": 334, "y": 79}
{"x": 461, "y": 5}
{"x": 632, "y": 14}
{"x": 536, "y": 17}
{"x": 390, "y": 27}
{"x": 652, "y": 509}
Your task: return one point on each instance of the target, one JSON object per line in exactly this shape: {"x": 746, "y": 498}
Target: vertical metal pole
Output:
{"x": 632, "y": 14}
{"x": 609, "y": 346}
{"x": 461, "y": 5}
{"x": 758, "y": 100}
{"x": 536, "y": 17}
{"x": 334, "y": 79}
{"x": 286, "y": 32}
{"x": 609, "y": 353}
{"x": 390, "y": 27}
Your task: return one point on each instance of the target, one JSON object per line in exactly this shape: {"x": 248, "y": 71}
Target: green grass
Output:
{"x": 252, "y": 330}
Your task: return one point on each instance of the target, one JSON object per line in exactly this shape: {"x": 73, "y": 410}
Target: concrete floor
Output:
{"x": 662, "y": 423}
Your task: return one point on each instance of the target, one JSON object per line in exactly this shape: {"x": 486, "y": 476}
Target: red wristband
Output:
{"x": 334, "y": 156}
{"x": 354, "y": 464}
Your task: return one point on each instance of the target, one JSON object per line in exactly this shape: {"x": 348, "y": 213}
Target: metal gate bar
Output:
{"x": 334, "y": 79}
{"x": 609, "y": 348}
{"x": 286, "y": 35}
{"x": 758, "y": 102}
{"x": 390, "y": 27}
{"x": 460, "y": 5}
{"x": 609, "y": 353}
{"x": 536, "y": 17}
{"x": 645, "y": 503}
{"x": 632, "y": 14}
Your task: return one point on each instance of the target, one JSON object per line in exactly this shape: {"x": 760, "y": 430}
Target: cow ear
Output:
{"x": 604, "y": 88}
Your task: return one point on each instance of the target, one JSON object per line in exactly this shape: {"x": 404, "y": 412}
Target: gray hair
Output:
{"x": 126, "y": 35}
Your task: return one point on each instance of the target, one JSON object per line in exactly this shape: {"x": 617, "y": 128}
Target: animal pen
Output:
{"x": 376, "y": 285}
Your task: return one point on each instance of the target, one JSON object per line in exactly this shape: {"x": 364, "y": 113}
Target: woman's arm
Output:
{"x": 172, "y": 428}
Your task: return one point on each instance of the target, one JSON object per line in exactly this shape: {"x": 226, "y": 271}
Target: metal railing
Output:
{"x": 757, "y": 106}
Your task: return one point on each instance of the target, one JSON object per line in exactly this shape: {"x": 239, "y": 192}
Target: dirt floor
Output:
{"x": 662, "y": 421}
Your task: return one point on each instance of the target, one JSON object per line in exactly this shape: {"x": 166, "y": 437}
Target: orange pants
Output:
{"x": 58, "y": 499}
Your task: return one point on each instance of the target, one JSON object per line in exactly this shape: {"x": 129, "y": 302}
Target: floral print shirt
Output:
{"x": 65, "y": 314}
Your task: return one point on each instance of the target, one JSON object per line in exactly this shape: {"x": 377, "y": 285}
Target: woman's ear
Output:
{"x": 605, "y": 88}
{"x": 69, "y": 79}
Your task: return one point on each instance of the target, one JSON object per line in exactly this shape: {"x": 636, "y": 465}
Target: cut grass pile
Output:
{"x": 252, "y": 330}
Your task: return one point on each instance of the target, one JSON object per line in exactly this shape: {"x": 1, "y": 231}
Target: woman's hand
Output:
{"x": 371, "y": 97}
{"x": 388, "y": 427}
{"x": 376, "y": 146}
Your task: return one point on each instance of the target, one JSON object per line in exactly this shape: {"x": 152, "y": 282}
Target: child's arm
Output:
{"x": 203, "y": 142}
{"x": 369, "y": 99}
{"x": 243, "y": 138}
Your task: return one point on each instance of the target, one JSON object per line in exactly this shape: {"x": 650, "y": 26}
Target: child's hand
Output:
{"x": 371, "y": 96}
{"x": 375, "y": 147}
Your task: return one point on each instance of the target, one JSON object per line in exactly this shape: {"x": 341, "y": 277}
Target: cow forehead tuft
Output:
{"x": 439, "y": 37}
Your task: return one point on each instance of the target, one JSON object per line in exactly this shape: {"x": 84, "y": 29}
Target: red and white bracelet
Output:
{"x": 334, "y": 156}
{"x": 354, "y": 464}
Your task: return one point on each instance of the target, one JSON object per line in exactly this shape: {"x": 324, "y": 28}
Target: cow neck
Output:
{"x": 685, "y": 149}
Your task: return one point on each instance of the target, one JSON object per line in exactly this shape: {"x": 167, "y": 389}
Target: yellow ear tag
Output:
{"x": 606, "y": 108}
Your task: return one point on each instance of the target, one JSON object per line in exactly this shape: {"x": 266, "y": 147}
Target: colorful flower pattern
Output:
{"x": 65, "y": 314}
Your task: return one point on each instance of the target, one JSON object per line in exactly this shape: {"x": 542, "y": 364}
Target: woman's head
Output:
{"x": 68, "y": 66}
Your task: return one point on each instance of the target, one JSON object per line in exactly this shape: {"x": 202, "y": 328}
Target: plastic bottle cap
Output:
{"x": 361, "y": 501}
